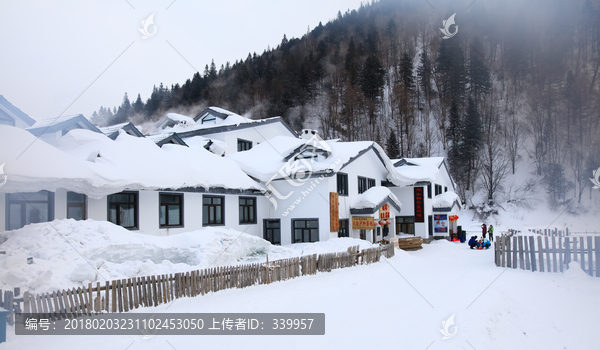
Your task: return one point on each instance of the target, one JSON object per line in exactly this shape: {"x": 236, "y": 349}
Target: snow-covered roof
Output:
{"x": 90, "y": 163}
{"x": 278, "y": 157}
{"x": 215, "y": 146}
{"x": 51, "y": 125}
{"x": 7, "y": 109}
{"x": 418, "y": 169}
{"x": 429, "y": 161}
{"x": 446, "y": 200}
{"x": 374, "y": 198}
{"x": 112, "y": 131}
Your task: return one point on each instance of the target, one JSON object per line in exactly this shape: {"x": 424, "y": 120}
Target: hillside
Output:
{"x": 516, "y": 86}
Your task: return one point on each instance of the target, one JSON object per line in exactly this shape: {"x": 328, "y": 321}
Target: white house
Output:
{"x": 128, "y": 181}
{"x": 229, "y": 131}
{"x": 11, "y": 115}
{"x": 52, "y": 129}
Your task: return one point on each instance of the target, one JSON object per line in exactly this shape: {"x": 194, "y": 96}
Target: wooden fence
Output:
{"x": 548, "y": 253}
{"x": 131, "y": 293}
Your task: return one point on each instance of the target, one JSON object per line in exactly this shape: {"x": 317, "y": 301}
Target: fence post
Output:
{"x": 597, "y": 253}
{"x": 521, "y": 261}
{"x": 590, "y": 259}
{"x": 532, "y": 253}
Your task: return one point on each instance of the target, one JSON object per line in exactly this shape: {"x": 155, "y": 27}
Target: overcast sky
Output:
{"x": 52, "y": 51}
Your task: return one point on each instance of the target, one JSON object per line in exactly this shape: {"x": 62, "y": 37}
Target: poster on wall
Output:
{"x": 384, "y": 211}
{"x": 363, "y": 223}
{"x": 419, "y": 205}
{"x": 440, "y": 224}
{"x": 334, "y": 212}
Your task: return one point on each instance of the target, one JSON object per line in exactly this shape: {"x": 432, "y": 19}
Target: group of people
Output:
{"x": 483, "y": 242}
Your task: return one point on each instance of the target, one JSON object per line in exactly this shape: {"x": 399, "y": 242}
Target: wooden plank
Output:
{"x": 106, "y": 296}
{"x": 124, "y": 293}
{"x": 508, "y": 253}
{"x": 65, "y": 295}
{"x": 57, "y": 308}
{"x": 527, "y": 255}
{"x": 73, "y": 308}
{"x": 521, "y": 258}
{"x": 134, "y": 287}
{"x": 143, "y": 296}
{"x": 560, "y": 254}
{"x": 575, "y": 249}
{"x": 113, "y": 288}
{"x": 532, "y": 253}
{"x": 514, "y": 252}
{"x": 119, "y": 295}
{"x": 503, "y": 250}
{"x": 90, "y": 299}
{"x": 540, "y": 254}
{"x": 554, "y": 261}
{"x": 26, "y": 302}
{"x": 154, "y": 291}
{"x": 582, "y": 251}
{"x": 130, "y": 293}
{"x": 76, "y": 304}
{"x": 43, "y": 301}
{"x": 171, "y": 291}
{"x": 548, "y": 262}
{"x": 597, "y": 254}
{"x": 590, "y": 256}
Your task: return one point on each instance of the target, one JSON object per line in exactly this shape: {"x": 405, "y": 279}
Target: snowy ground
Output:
{"x": 398, "y": 303}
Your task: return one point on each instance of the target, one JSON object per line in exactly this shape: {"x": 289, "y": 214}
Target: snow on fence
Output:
{"x": 549, "y": 254}
{"x": 132, "y": 293}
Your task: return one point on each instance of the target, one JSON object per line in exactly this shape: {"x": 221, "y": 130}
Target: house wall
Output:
{"x": 97, "y": 209}
{"x": 368, "y": 165}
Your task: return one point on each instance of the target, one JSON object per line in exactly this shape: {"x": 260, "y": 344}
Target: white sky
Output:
{"x": 51, "y": 51}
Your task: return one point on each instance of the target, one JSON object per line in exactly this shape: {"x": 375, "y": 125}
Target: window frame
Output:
{"x": 24, "y": 202}
{"x": 265, "y": 229}
{"x": 429, "y": 190}
{"x": 345, "y": 229}
{"x": 253, "y": 208}
{"x": 136, "y": 209}
{"x": 371, "y": 183}
{"x": 167, "y": 205}
{"x": 83, "y": 205}
{"x": 243, "y": 142}
{"x": 222, "y": 205}
{"x": 344, "y": 189}
{"x": 304, "y": 228}
{"x": 362, "y": 188}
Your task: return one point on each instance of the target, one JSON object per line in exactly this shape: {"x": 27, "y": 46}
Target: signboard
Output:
{"x": 362, "y": 223}
{"x": 384, "y": 211}
{"x": 440, "y": 223}
{"x": 334, "y": 212}
{"x": 419, "y": 205}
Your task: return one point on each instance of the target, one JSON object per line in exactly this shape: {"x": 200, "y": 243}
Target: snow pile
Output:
{"x": 373, "y": 197}
{"x": 92, "y": 164}
{"x": 181, "y": 120}
{"x": 445, "y": 200}
{"x": 69, "y": 253}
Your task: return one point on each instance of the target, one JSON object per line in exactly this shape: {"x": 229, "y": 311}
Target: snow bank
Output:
{"x": 69, "y": 253}
{"x": 445, "y": 200}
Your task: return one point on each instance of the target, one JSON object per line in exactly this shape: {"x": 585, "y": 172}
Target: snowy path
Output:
{"x": 376, "y": 307}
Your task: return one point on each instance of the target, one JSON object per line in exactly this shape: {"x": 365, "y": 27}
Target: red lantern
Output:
{"x": 389, "y": 222}
{"x": 381, "y": 222}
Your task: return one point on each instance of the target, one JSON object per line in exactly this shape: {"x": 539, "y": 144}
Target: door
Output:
{"x": 344, "y": 231}
{"x": 272, "y": 231}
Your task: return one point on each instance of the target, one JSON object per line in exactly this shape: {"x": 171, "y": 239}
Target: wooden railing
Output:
{"x": 132, "y": 293}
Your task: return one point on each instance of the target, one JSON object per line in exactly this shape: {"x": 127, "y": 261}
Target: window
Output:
{"x": 171, "y": 210}
{"x": 344, "y": 232}
{"x": 123, "y": 209}
{"x": 362, "y": 184}
{"x": 438, "y": 189}
{"x": 212, "y": 210}
{"x": 445, "y": 188}
{"x": 244, "y": 145}
{"x": 429, "y": 191}
{"x": 76, "y": 205}
{"x": 209, "y": 119}
{"x": 371, "y": 183}
{"x": 28, "y": 208}
{"x": 272, "y": 231}
{"x": 405, "y": 224}
{"x": 247, "y": 210}
{"x": 342, "y": 184}
{"x": 305, "y": 230}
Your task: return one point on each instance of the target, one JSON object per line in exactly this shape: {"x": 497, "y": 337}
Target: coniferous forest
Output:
{"x": 518, "y": 83}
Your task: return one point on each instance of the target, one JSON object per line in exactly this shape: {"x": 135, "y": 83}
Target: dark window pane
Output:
{"x": 163, "y": 215}
{"x": 75, "y": 213}
{"x": 73, "y": 197}
{"x": 299, "y": 224}
{"x": 207, "y": 200}
{"x": 174, "y": 215}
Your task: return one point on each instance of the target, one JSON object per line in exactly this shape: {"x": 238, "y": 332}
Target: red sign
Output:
{"x": 384, "y": 211}
{"x": 419, "y": 205}
{"x": 334, "y": 214}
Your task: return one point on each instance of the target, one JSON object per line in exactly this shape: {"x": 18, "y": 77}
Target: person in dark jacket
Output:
{"x": 483, "y": 230}
{"x": 473, "y": 242}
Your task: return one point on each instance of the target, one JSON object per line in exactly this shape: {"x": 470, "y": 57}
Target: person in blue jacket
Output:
{"x": 473, "y": 242}
{"x": 484, "y": 244}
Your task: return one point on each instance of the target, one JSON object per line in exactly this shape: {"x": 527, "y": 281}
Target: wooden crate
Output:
{"x": 411, "y": 243}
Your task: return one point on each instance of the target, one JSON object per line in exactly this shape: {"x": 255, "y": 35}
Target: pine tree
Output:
{"x": 371, "y": 82}
{"x": 392, "y": 147}
{"x": 479, "y": 73}
{"x": 406, "y": 72}
{"x": 471, "y": 140}
{"x": 351, "y": 63}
